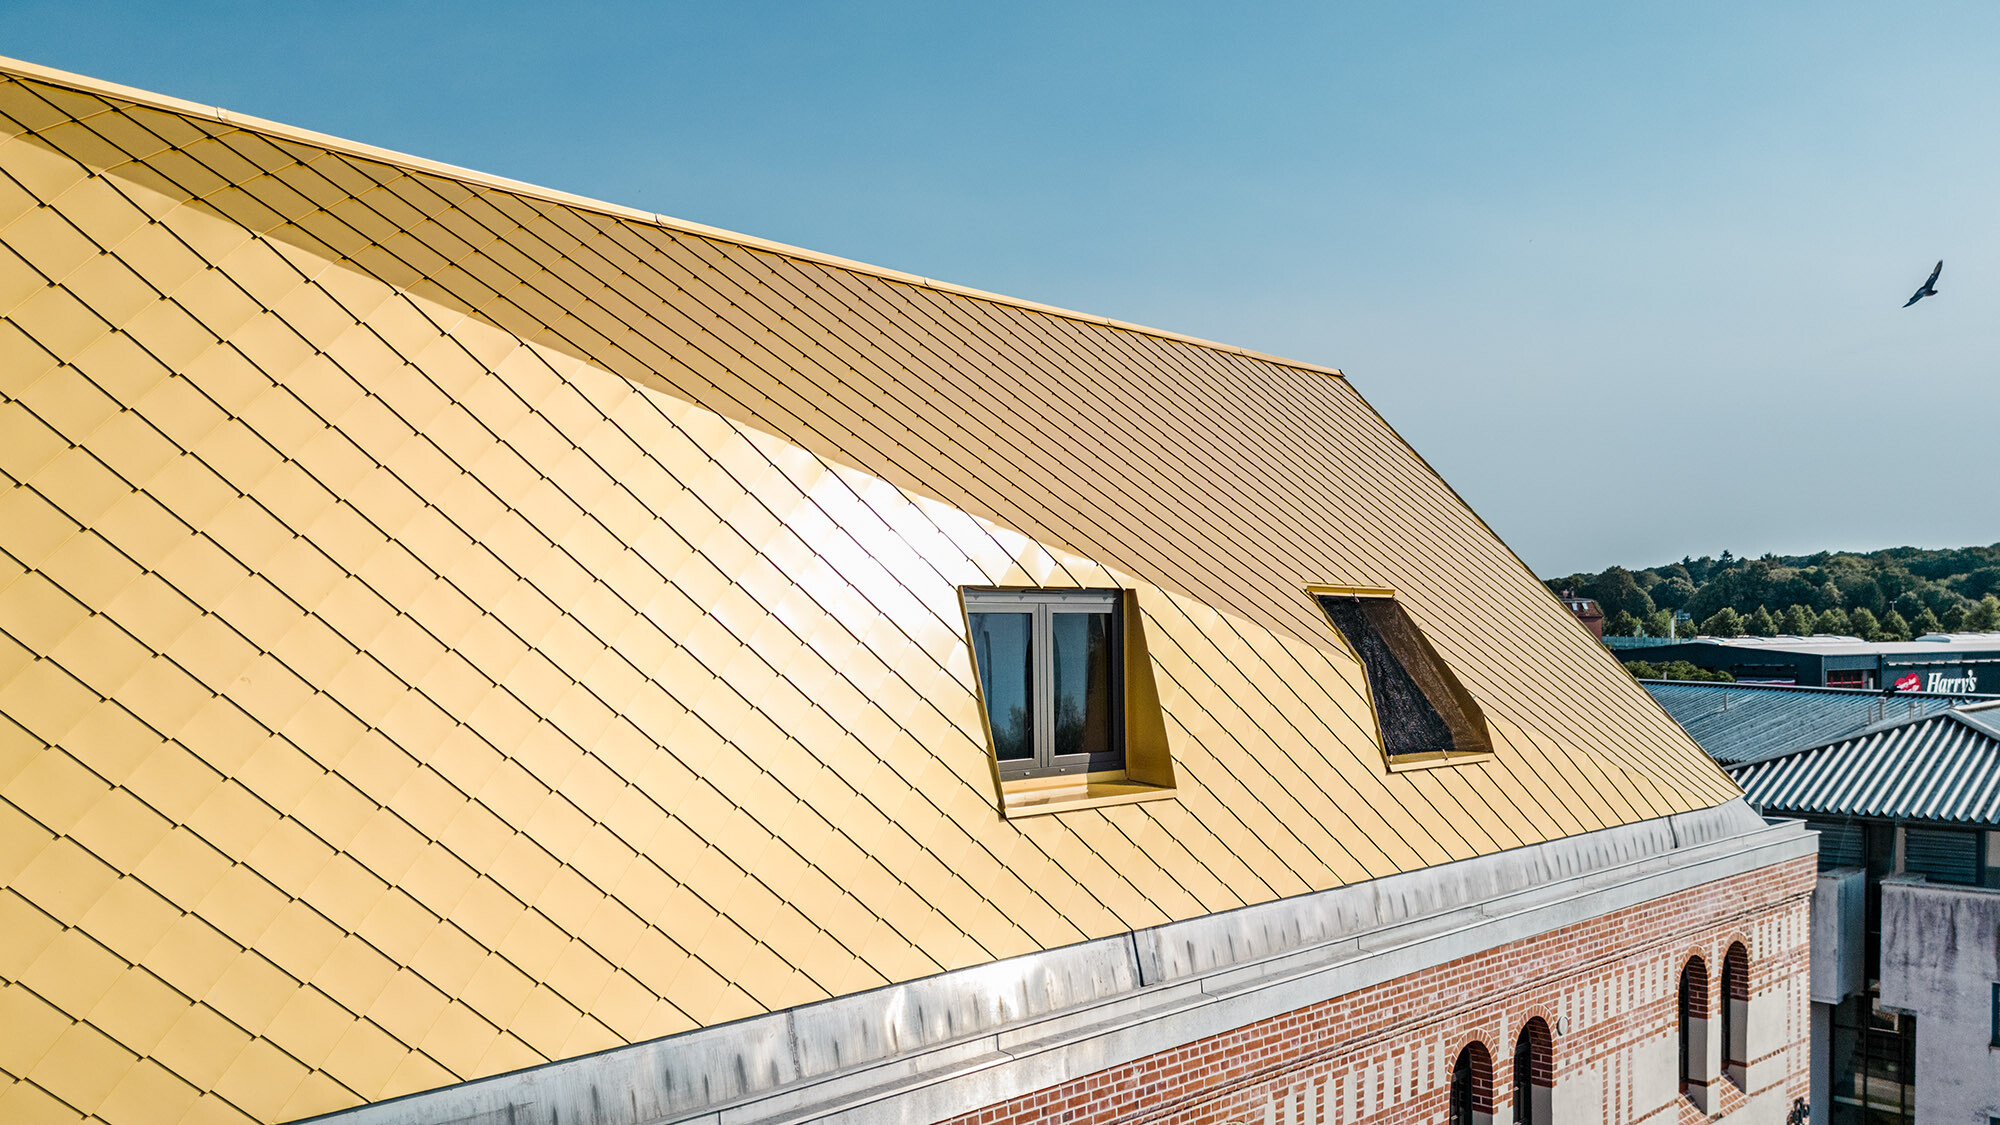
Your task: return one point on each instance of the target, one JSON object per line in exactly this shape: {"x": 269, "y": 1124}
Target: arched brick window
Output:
{"x": 1694, "y": 1054}
{"x": 1534, "y": 1074}
{"x": 1472, "y": 1087}
{"x": 1733, "y": 1006}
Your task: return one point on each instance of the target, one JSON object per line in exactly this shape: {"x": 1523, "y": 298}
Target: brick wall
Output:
{"x": 1608, "y": 986}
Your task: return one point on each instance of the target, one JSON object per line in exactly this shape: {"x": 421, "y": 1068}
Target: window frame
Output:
{"x": 1995, "y": 1041}
{"x": 1872, "y": 1067}
{"x": 1469, "y": 1098}
{"x": 1534, "y": 1047}
{"x": 1042, "y": 603}
{"x": 1524, "y": 1079}
{"x": 1733, "y": 1014}
{"x": 1695, "y": 1015}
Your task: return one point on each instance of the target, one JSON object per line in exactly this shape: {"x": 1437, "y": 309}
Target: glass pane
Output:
{"x": 1082, "y": 682}
{"x": 1003, "y": 648}
{"x": 1524, "y": 1096}
{"x": 1459, "y": 1109}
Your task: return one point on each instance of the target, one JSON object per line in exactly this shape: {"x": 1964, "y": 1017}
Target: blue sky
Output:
{"x": 1627, "y": 275}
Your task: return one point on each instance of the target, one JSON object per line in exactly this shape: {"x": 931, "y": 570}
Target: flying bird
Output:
{"x": 1929, "y": 288}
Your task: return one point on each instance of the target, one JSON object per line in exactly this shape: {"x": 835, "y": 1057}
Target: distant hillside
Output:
{"x": 1882, "y": 595}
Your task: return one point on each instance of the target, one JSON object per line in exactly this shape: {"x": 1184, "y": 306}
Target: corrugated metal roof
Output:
{"x": 1745, "y": 722}
{"x": 1931, "y": 644}
{"x": 1943, "y": 767}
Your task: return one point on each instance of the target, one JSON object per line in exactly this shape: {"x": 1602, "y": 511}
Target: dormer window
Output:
{"x": 1066, "y": 685}
{"x": 1050, "y": 672}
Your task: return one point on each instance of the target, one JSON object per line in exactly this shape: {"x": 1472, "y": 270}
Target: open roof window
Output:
{"x": 1421, "y": 708}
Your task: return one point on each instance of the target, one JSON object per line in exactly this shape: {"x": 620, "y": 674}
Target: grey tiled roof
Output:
{"x": 1746, "y": 722}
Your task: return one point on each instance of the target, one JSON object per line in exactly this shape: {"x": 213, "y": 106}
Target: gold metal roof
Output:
{"x": 446, "y": 625}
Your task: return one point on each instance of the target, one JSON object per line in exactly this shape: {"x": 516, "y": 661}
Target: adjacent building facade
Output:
{"x": 1939, "y": 663}
{"x": 473, "y": 654}
{"x": 1906, "y": 1012}
{"x": 1587, "y": 611}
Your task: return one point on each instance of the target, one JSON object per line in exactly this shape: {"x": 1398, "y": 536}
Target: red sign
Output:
{"x": 1910, "y": 682}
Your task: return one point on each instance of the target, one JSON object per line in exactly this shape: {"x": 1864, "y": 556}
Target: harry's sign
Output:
{"x": 1941, "y": 682}
{"x": 1938, "y": 682}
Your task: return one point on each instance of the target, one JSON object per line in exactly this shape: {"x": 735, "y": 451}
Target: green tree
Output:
{"x": 1894, "y": 582}
{"x": 1864, "y": 593}
{"x": 1791, "y": 590}
{"x": 1984, "y": 617}
{"x": 1672, "y": 592}
{"x": 1621, "y": 624}
{"x": 1862, "y": 624}
{"x": 1926, "y": 622}
{"x": 1642, "y": 669}
{"x": 1798, "y": 621}
{"x": 1659, "y": 623}
{"x": 1760, "y": 623}
{"x": 1908, "y": 580}
{"x": 1682, "y": 670}
{"x": 1980, "y": 582}
{"x": 1895, "y": 627}
{"x": 1618, "y": 592}
{"x": 1724, "y": 622}
{"x": 1578, "y": 584}
{"x": 1832, "y": 623}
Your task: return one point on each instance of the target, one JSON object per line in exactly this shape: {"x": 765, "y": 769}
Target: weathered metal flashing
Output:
{"x": 929, "y": 1048}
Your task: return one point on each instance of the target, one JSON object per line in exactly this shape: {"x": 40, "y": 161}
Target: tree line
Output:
{"x": 1675, "y": 670}
{"x": 1895, "y": 594}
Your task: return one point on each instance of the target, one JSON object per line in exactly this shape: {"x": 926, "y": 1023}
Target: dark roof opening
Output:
{"x": 1420, "y": 705}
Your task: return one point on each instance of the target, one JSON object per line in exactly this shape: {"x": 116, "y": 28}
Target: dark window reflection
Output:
{"x": 1003, "y": 650}
{"x": 1459, "y": 1109}
{"x": 1942, "y": 855}
{"x": 1524, "y": 1069}
{"x": 1082, "y": 682}
{"x": 1874, "y": 1064}
{"x": 1687, "y": 1015}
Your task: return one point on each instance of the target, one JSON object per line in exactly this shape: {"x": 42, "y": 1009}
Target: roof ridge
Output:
{"x": 36, "y": 72}
{"x": 1978, "y": 725}
{"x": 1976, "y": 722}
{"x": 1752, "y": 685}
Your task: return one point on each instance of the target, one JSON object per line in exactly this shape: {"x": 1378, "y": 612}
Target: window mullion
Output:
{"x": 1045, "y": 685}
